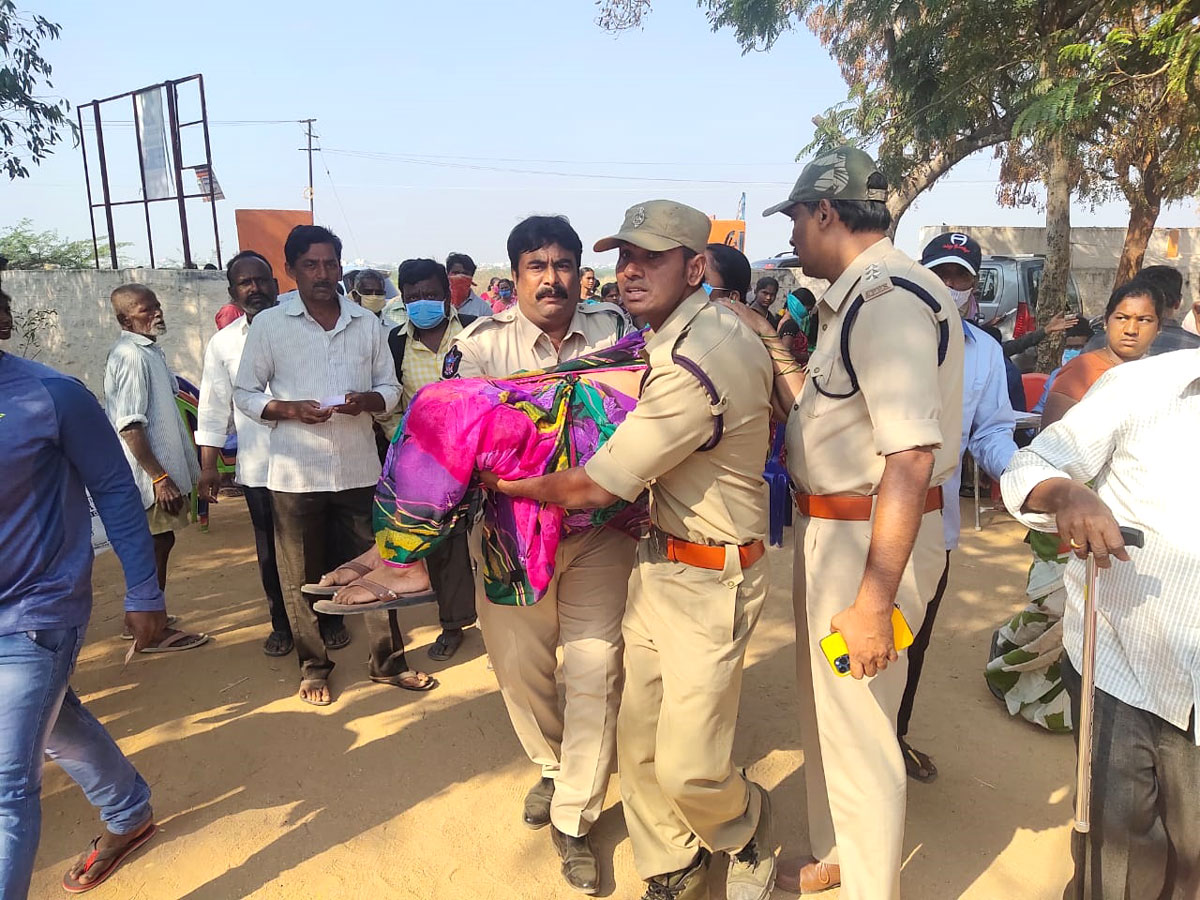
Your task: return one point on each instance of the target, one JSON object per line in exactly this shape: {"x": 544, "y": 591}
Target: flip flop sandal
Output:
{"x": 410, "y": 674}
{"x": 328, "y": 590}
{"x": 446, "y": 645}
{"x": 311, "y": 683}
{"x": 278, "y": 644}
{"x": 339, "y": 637}
{"x": 110, "y": 860}
{"x": 918, "y": 764}
{"x": 385, "y": 598}
{"x": 128, "y": 635}
{"x": 175, "y": 643}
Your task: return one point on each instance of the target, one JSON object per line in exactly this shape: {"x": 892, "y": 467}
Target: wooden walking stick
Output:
{"x": 1087, "y": 676}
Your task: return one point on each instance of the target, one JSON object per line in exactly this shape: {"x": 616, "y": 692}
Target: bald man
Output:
{"x": 139, "y": 397}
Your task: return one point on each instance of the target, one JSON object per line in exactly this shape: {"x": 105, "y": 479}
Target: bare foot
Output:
{"x": 315, "y": 691}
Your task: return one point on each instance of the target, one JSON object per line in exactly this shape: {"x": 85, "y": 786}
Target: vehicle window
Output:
{"x": 989, "y": 280}
{"x": 1033, "y": 279}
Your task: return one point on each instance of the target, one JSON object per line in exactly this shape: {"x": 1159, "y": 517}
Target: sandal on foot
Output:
{"x": 314, "y": 683}
{"x": 385, "y": 598}
{"x": 328, "y": 590}
{"x": 278, "y": 644}
{"x": 410, "y": 680}
{"x": 127, "y": 635}
{"x": 335, "y": 636}
{"x": 918, "y": 764}
{"x": 176, "y": 643}
{"x": 103, "y": 862}
{"x": 446, "y": 645}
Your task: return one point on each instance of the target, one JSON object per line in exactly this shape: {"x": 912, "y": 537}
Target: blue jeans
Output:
{"x": 40, "y": 713}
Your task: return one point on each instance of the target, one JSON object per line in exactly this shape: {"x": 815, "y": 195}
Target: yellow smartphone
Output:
{"x": 834, "y": 645}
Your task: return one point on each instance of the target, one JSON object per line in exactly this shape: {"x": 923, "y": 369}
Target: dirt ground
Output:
{"x": 394, "y": 794}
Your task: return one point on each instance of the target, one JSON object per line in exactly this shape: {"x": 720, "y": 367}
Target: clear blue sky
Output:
{"x": 440, "y": 121}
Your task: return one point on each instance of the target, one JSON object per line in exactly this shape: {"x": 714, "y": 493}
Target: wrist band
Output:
{"x": 163, "y": 477}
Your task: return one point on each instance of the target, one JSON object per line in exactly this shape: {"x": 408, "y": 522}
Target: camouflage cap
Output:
{"x": 840, "y": 174}
{"x": 661, "y": 225}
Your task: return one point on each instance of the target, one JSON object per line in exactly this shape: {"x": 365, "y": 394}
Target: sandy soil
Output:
{"x": 394, "y": 794}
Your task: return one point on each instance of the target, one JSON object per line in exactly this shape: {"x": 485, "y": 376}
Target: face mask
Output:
{"x": 708, "y": 288}
{"x": 426, "y": 313}
{"x": 373, "y": 302}
{"x": 504, "y": 294}
{"x": 1069, "y": 354}
{"x": 460, "y": 289}
{"x": 797, "y": 311}
{"x": 960, "y": 298}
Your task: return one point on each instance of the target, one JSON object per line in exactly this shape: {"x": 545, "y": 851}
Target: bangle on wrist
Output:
{"x": 163, "y": 477}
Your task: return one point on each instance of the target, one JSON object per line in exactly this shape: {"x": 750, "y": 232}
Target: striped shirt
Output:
{"x": 140, "y": 389}
{"x": 217, "y": 417}
{"x": 1126, "y": 434}
{"x": 290, "y": 355}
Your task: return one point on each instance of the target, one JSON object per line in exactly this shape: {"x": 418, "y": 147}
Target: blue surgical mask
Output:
{"x": 1069, "y": 354}
{"x": 797, "y": 311}
{"x": 708, "y": 288}
{"x": 426, "y": 313}
{"x": 504, "y": 293}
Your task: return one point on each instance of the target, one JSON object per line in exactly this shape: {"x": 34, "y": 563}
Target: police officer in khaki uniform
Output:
{"x": 874, "y": 430}
{"x": 697, "y": 440}
{"x": 574, "y": 741}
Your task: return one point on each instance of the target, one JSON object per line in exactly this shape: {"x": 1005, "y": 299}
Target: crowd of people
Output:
{"x": 609, "y": 446}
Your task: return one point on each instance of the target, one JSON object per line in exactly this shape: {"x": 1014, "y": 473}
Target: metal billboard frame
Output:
{"x": 179, "y": 196}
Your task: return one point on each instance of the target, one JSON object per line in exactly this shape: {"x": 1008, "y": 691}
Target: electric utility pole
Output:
{"x": 308, "y": 123}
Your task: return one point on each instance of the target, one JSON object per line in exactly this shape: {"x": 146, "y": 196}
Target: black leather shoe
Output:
{"x": 537, "y": 804}
{"x": 686, "y": 884}
{"x": 579, "y": 866}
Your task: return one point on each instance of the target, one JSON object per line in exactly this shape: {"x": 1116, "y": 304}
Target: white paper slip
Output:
{"x": 335, "y": 400}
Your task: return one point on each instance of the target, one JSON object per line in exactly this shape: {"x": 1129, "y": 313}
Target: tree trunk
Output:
{"x": 923, "y": 176}
{"x": 1052, "y": 292}
{"x": 1143, "y": 213}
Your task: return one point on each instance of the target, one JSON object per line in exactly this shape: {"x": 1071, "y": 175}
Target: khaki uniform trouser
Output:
{"x": 853, "y": 768}
{"x": 572, "y": 738}
{"x": 686, "y": 632}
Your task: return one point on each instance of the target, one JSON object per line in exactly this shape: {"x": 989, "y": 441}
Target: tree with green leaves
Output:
{"x": 25, "y": 248}
{"x": 29, "y": 125}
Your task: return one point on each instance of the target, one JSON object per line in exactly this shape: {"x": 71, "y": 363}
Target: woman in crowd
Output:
{"x": 1024, "y": 661}
{"x": 727, "y": 276}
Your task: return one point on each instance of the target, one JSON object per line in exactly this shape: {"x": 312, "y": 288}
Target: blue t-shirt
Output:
{"x": 58, "y": 441}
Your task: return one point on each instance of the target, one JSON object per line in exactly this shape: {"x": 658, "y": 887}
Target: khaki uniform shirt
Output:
{"x": 716, "y": 496}
{"x": 508, "y": 342}
{"x": 906, "y": 400}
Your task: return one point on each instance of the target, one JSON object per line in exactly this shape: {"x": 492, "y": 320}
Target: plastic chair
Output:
{"x": 1033, "y": 383}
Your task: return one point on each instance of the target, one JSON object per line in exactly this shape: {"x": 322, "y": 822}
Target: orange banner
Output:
{"x": 731, "y": 232}
{"x": 265, "y": 230}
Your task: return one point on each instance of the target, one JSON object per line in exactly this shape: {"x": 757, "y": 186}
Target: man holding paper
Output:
{"x": 325, "y": 362}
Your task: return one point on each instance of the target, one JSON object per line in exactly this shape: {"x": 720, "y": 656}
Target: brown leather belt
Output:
{"x": 703, "y": 556}
{"x": 853, "y": 507}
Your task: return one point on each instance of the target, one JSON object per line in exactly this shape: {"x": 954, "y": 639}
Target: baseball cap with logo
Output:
{"x": 953, "y": 247}
{"x": 660, "y": 225}
{"x": 840, "y": 174}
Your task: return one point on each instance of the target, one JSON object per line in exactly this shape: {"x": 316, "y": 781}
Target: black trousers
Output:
{"x": 258, "y": 501}
{"x": 916, "y": 653}
{"x": 451, "y": 577}
{"x": 1145, "y": 810}
{"x": 314, "y": 534}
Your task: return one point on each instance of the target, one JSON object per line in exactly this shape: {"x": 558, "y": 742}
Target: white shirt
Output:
{"x": 1126, "y": 434}
{"x": 288, "y": 353}
{"x": 139, "y": 388}
{"x": 217, "y": 417}
{"x": 987, "y": 423}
